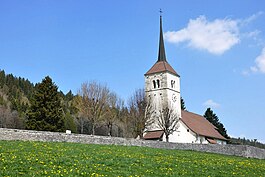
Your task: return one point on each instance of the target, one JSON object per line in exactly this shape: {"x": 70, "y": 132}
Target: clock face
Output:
{"x": 174, "y": 98}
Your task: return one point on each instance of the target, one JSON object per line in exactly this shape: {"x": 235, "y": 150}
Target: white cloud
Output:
{"x": 245, "y": 73}
{"x": 260, "y": 63}
{"x": 251, "y": 18}
{"x": 215, "y": 36}
{"x": 253, "y": 34}
{"x": 211, "y": 103}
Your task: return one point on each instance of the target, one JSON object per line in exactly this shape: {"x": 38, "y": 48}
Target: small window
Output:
{"x": 158, "y": 83}
{"x": 172, "y": 84}
{"x": 154, "y": 83}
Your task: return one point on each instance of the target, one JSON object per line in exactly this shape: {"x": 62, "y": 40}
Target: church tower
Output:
{"x": 162, "y": 84}
{"x": 162, "y": 91}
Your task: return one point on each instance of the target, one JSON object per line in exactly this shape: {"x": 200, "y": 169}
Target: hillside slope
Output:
{"x": 18, "y": 158}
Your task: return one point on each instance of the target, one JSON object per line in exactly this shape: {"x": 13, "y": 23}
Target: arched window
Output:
{"x": 158, "y": 83}
{"x": 154, "y": 83}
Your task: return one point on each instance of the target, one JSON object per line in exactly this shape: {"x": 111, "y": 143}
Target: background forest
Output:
{"x": 93, "y": 110}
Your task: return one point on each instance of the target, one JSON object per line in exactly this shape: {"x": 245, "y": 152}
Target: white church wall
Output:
{"x": 182, "y": 135}
{"x": 202, "y": 140}
{"x": 221, "y": 142}
{"x": 185, "y": 135}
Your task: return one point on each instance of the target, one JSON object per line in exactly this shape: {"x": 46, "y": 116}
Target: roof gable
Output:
{"x": 200, "y": 125}
{"x": 161, "y": 66}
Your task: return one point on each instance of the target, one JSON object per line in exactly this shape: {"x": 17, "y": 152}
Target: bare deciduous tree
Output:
{"x": 140, "y": 111}
{"x": 10, "y": 119}
{"x": 125, "y": 123}
{"x": 82, "y": 110}
{"x": 167, "y": 121}
{"x": 4, "y": 114}
{"x": 114, "y": 110}
{"x": 93, "y": 105}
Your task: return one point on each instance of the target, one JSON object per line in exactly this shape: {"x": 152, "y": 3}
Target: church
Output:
{"x": 162, "y": 89}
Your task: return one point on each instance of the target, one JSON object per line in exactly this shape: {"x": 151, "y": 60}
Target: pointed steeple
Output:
{"x": 161, "y": 65}
{"x": 161, "y": 52}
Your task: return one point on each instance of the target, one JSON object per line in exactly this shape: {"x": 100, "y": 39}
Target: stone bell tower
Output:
{"x": 162, "y": 84}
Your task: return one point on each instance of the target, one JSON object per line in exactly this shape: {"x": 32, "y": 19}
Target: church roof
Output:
{"x": 200, "y": 125}
{"x": 151, "y": 135}
{"x": 212, "y": 141}
{"x": 161, "y": 65}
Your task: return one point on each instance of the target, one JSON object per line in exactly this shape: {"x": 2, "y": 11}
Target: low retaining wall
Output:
{"x": 29, "y": 135}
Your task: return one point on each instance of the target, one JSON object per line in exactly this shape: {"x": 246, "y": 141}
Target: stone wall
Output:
{"x": 28, "y": 135}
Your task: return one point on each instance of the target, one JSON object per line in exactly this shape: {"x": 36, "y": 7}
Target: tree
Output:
{"x": 46, "y": 112}
{"x": 183, "y": 107}
{"x": 4, "y": 116}
{"x": 15, "y": 92}
{"x": 167, "y": 121}
{"x": 140, "y": 112}
{"x": 125, "y": 124}
{"x": 82, "y": 113}
{"x": 93, "y": 102}
{"x": 114, "y": 110}
{"x": 212, "y": 117}
{"x": 69, "y": 122}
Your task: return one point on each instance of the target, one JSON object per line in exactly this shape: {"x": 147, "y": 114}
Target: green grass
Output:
{"x": 18, "y": 158}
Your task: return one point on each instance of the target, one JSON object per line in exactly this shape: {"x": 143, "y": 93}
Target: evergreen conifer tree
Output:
{"x": 70, "y": 123}
{"x": 183, "y": 107}
{"x": 212, "y": 117}
{"x": 46, "y": 111}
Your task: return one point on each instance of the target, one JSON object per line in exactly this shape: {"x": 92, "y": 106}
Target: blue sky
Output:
{"x": 218, "y": 48}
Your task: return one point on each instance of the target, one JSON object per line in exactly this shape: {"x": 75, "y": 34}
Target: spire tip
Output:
{"x": 161, "y": 52}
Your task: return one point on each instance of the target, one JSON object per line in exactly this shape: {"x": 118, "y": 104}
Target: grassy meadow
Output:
{"x": 18, "y": 158}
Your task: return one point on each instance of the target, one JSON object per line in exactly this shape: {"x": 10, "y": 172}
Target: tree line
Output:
{"x": 95, "y": 109}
